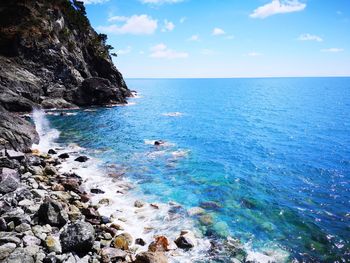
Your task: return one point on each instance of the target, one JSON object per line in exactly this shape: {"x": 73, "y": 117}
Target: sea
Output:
{"x": 255, "y": 167}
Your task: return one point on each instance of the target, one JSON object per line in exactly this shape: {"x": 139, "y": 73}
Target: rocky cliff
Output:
{"x": 51, "y": 57}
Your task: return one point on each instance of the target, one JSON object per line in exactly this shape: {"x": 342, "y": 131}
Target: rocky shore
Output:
{"x": 47, "y": 216}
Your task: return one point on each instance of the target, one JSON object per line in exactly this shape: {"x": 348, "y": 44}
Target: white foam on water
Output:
{"x": 145, "y": 222}
{"x": 47, "y": 135}
{"x": 173, "y": 114}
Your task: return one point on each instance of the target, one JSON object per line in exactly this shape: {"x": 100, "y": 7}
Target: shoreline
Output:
{"x": 146, "y": 229}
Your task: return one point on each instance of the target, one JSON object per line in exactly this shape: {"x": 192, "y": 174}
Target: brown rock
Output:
{"x": 150, "y": 257}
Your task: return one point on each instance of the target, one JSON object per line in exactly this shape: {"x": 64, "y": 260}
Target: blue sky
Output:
{"x": 226, "y": 38}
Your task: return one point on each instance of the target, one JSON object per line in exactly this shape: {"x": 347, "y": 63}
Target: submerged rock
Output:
{"x": 78, "y": 237}
{"x": 52, "y": 213}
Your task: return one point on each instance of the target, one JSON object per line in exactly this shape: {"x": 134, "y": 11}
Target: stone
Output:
{"x": 52, "y": 151}
{"x": 9, "y": 237}
{"x": 186, "y": 240}
{"x": 151, "y": 257}
{"x": 23, "y": 227}
{"x": 19, "y": 156}
{"x": 161, "y": 244}
{"x": 97, "y": 191}
{"x": 9, "y": 180}
{"x": 194, "y": 211}
{"x": 123, "y": 241}
{"x": 63, "y": 156}
{"x": 105, "y": 201}
{"x": 6, "y": 250}
{"x": 31, "y": 250}
{"x": 210, "y": 205}
{"x": 139, "y": 203}
{"x": 81, "y": 159}
{"x": 140, "y": 241}
{"x": 206, "y": 219}
{"x": 52, "y": 213}
{"x": 110, "y": 254}
{"x": 50, "y": 170}
{"x": 29, "y": 240}
{"x": 78, "y": 237}
{"x": 53, "y": 244}
{"x": 57, "y": 187}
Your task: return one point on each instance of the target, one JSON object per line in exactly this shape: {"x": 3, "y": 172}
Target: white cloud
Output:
{"x": 136, "y": 25}
{"x": 88, "y": 2}
{"x": 278, "y": 7}
{"x": 333, "y": 50}
{"x": 254, "y": 54}
{"x": 168, "y": 26}
{"x": 218, "y": 31}
{"x": 183, "y": 19}
{"x": 309, "y": 37}
{"x": 162, "y": 51}
{"x": 125, "y": 51}
{"x": 159, "y": 2}
{"x": 194, "y": 38}
{"x": 117, "y": 19}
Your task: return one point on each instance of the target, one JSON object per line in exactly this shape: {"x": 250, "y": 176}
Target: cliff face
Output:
{"x": 51, "y": 57}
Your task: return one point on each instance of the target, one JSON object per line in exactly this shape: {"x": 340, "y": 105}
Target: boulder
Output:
{"x": 186, "y": 240}
{"x": 123, "y": 241}
{"x": 140, "y": 241}
{"x": 110, "y": 254}
{"x": 52, "y": 151}
{"x": 64, "y": 156}
{"x": 161, "y": 244}
{"x": 139, "y": 203}
{"x": 150, "y": 257}
{"x": 56, "y": 103}
{"x": 17, "y": 133}
{"x": 81, "y": 159}
{"x": 9, "y": 180}
{"x": 78, "y": 237}
{"x": 53, "y": 244}
{"x": 52, "y": 213}
{"x": 6, "y": 250}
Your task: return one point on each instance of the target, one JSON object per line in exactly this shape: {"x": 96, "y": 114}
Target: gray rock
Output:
{"x": 15, "y": 155}
{"x": 6, "y": 250}
{"x": 78, "y": 237}
{"x": 110, "y": 254}
{"x": 18, "y": 133}
{"x": 29, "y": 240}
{"x": 150, "y": 257}
{"x": 139, "y": 203}
{"x": 19, "y": 255}
{"x": 23, "y": 227}
{"x": 52, "y": 213}
{"x": 53, "y": 244}
{"x": 9, "y": 180}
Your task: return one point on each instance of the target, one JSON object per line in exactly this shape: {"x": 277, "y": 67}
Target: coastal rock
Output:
{"x": 161, "y": 244}
{"x": 56, "y": 103}
{"x": 186, "y": 240}
{"x": 110, "y": 254}
{"x": 50, "y": 170}
{"x": 17, "y": 133}
{"x": 63, "y": 156}
{"x": 53, "y": 244}
{"x": 9, "y": 180}
{"x": 139, "y": 203}
{"x": 97, "y": 191}
{"x": 123, "y": 241}
{"x": 6, "y": 250}
{"x": 52, "y": 151}
{"x": 52, "y": 213}
{"x": 78, "y": 237}
{"x": 140, "y": 241}
{"x": 81, "y": 159}
{"x": 150, "y": 257}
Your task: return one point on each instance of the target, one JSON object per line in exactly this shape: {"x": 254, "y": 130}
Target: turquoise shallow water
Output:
{"x": 273, "y": 154}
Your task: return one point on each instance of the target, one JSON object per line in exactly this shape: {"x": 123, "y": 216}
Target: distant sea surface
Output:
{"x": 268, "y": 159}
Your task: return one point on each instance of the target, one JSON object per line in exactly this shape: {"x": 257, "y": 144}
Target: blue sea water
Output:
{"x": 269, "y": 159}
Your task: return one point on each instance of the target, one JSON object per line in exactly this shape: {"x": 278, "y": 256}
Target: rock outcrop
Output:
{"x": 51, "y": 57}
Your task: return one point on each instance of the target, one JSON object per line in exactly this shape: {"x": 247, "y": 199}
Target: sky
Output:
{"x": 225, "y": 38}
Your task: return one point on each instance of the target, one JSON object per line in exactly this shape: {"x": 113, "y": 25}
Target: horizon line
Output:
{"x": 257, "y": 77}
